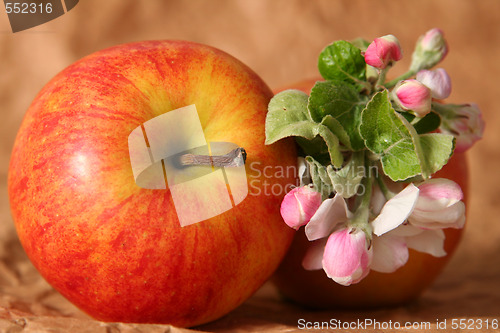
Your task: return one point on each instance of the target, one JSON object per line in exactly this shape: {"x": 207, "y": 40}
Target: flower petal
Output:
{"x": 303, "y": 171}
{"x": 389, "y": 253}
{"x": 450, "y": 217}
{"x": 438, "y": 193}
{"x": 428, "y": 241}
{"x": 396, "y": 210}
{"x": 413, "y": 95}
{"x": 382, "y": 51}
{"x": 331, "y": 212}
{"x": 313, "y": 260}
{"x": 437, "y": 80}
{"x": 346, "y": 259}
{"x": 299, "y": 205}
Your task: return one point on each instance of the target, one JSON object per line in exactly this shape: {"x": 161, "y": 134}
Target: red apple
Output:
{"x": 114, "y": 249}
{"x": 314, "y": 289}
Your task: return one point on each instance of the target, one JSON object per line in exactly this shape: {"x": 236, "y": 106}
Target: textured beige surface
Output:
{"x": 280, "y": 40}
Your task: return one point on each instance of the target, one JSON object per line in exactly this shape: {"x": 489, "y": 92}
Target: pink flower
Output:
{"x": 413, "y": 95}
{"x": 438, "y": 81}
{"x": 383, "y": 51}
{"x": 465, "y": 122}
{"x": 341, "y": 251}
{"x": 438, "y": 205}
{"x": 299, "y": 205}
{"x": 431, "y": 48}
{"x": 347, "y": 257}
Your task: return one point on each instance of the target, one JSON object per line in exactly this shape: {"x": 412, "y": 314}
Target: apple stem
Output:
{"x": 234, "y": 158}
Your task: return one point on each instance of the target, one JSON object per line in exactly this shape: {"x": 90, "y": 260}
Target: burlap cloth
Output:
{"x": 280, "y": 40}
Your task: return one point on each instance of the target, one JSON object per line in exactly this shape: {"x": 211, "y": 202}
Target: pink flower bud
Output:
{"x": 383, "y": 51}
{"x": 433, "y": 41}
{"x": 413, "y": 95}
{"x": 465, "y": 122}
{"x": 439, "y": 205}
{"x": 438, "y": 81}
{"x": 431, "y": 48}
{"x": 299, "y": 205}
{"x": 346, "y": 258}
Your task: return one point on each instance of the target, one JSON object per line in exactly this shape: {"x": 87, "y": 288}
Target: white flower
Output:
{"x": 414, "y": 218}
{"x": 439, "y": 205}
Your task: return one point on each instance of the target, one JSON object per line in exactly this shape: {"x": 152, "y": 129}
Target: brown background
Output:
{"x": 280, "y": 40}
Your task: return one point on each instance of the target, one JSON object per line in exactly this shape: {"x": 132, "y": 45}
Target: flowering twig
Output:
{"x": 374, "y": 198}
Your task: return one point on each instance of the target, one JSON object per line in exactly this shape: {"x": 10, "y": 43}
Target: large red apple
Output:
{"x": 117, "y": 250}
{"x": 314, "y": 289}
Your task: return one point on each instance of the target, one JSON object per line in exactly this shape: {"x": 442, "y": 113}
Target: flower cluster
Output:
{"x": 347, "y": 250}
{"x": 356, "y": 120}
{"x": 417, "y": 95}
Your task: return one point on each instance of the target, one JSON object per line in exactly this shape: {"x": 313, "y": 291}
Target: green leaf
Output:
{"x": 437, "y": 149}
{"x": 336, "y": 127}
{"x": 342, "y": 102}
{"x": 288, "y": 116}
{"x": 342, "y": 61}
{"x": 400, "y": 161}
{"x": 403, "y": 152}
{"x": 428, "y": 123}
{"x": 319, "y": 177}
{"x": 346, "y": 181}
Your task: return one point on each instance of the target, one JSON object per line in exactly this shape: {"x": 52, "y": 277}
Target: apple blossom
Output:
{"x": 413, "y": 95}
{"x": 464, "y": 121}
{"x": 299, "y": 205}
{"x": 438, "y": 205}
{"x": 438, "y": 81}
{"x": 331, "y": 213}
{"x": 431, "y": 48}
{"x": 383, "y": 51}
{"x": 347, "y": 256}
{"x": 343, "y": 252}
{"x": 400, "y": 208}
{"x": 434, "y": 204}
